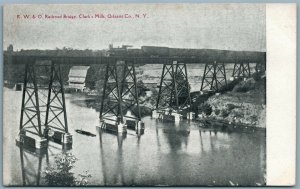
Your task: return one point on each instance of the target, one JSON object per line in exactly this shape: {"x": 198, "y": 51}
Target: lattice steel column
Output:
{"x": 241, "y": 70}
{"x": 56, "y": 114}
{"x": 111, "y": 101}
{"x": 167, "y": 95}
{"x": 30, "y": 120}
{"x": 214, "y": 76}
{"x": 129, "y": 90}
{"x": 182, "y": 83}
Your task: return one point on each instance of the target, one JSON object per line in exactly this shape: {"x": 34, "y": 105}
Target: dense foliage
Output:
{"x": 60, "y": 174}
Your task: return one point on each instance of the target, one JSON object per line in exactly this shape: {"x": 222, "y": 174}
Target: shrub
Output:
{"x": 206, "y": 108}
{"x": 231, "y": 107}
{"x": 217, "y": 111}
{"x": 245, "y": 86}
{"x": 257, "y": 76}
{"x": 225, "y": 113}
{"x": 60, "y": 174}
{"x": 254, "y": 118}
{"x": 238, "y": 114}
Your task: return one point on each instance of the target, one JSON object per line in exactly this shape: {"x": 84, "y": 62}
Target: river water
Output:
{"x": 166, "y": 154}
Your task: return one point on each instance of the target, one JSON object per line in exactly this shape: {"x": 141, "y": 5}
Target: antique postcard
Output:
{"x": 149, "y": 94}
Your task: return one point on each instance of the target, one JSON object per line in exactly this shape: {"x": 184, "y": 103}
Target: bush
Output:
{"x": 225, "y": 113}
{"x": 60, "y": 174}
{"x": 254, "y": 118}
{"x": 217, "y": 111}
{"x": 238, "y": 114}
{"x": 257, "y": 76}
{"x": 231, "y": 107}
{"x": 245, "y": 86}
{"x": 206, "y": 108}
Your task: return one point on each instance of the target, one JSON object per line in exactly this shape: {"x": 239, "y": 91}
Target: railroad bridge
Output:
{"x": 43, "y": 111}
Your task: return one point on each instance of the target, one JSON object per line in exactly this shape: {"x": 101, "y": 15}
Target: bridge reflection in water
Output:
{"x": 31, "y": 166}
{"x": 33, "y": 163}
{"x": 182, "y": 155}
{"x": 177, "y": 156}
{"x": 166, "y": 154}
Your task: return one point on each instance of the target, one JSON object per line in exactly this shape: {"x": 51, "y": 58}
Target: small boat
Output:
{"x": 85, "y": 133}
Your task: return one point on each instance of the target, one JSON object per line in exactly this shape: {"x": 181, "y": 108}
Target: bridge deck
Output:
{"x": 257, "y": 57}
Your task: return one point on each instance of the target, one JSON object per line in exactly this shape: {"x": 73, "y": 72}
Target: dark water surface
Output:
{"x": 166, "y": 154}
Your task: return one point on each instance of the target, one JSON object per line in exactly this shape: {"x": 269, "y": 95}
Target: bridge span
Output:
{"x": 42, "y": 119}
{"x": 257, "y": 57}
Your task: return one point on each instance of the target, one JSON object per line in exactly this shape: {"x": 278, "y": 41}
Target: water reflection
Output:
{"x": 118, "y": 173}
{"x": 102, "y": 158}
{"x": 176, "y": 136}
{"x": 119, "y": 170}
{"x": 166, "y": 154}
{"x": 157, "y": 137}
{"x": 31, "y": 165}
{"x": 170, "y": 155}
{"x": 34, "y": 161}
{"x": 212, "y": 142}
{"x": 201, "y": 141}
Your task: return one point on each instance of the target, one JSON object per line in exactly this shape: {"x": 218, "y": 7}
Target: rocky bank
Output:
{"x": 245, "y": 104}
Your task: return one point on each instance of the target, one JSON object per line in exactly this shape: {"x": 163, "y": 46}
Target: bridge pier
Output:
{"x": 214, "y": 76}
{"x": 167, "y": 87}
{"x": 241, "y": 70}
{"x": 57, "y": 122}
{"x": 183, "y": 88}
{"x": 120, "y": 95}
{"x": 34, "y": 107}
{"x": 30, "y": 121}
{"x": 130, "y": 98}
{"x": 174, "y": 92}
{"x": 111, "y": 112}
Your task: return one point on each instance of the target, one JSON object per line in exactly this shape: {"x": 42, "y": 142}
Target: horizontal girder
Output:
{"x": 234, "y": 57}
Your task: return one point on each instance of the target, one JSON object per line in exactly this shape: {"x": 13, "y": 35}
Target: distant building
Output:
{"x": 77, "y": 77}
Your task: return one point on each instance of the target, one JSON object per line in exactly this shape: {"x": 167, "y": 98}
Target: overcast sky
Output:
{"x": 213, "y": 26}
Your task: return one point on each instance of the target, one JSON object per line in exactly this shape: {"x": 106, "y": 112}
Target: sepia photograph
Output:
{"x": 135, "y": 95}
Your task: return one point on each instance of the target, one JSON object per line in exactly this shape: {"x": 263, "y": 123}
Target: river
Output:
{"x": 166, "y": 154}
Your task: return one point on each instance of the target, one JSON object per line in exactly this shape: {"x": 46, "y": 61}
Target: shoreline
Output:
{"x": 224, "y": 125}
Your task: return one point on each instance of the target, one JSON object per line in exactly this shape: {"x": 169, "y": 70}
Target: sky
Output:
{"x": 212, "y": 26}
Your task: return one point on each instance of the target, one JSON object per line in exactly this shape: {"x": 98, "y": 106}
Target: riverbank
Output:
{"x": 243, "y": 106}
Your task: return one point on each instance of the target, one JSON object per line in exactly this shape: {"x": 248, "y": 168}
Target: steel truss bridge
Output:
{"x": 44, "y": 106}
